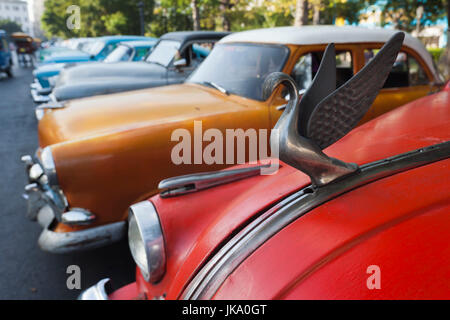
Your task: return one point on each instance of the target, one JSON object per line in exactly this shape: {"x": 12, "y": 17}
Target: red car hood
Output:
{"x": 196, "y": 225}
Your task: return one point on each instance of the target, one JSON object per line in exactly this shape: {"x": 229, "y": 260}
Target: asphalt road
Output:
{"x": 26, "y": 272}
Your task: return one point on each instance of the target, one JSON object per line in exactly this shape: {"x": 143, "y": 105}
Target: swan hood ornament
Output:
{"x": 325, "y": 114}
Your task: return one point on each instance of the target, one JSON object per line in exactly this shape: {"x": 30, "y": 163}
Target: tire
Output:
{"x": 9, "y": 72}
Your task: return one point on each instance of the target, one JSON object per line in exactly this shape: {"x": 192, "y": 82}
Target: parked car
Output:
{"x": 98, "y": 51}
{"x": 125, "y": 51}
{"x": 158, "y": 69}
{"x": 130, "y": 51}
{"x": 98, "y": 155}
{"x": 5, "y": 55}
{"x": 56, "y": 47}
{"x": 25, "y": 47}
{"x": 358, "y": 220}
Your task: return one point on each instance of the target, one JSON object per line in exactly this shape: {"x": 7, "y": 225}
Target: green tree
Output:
{"x": 115, "y": 23}
{"x": 98, "y": 17}
{"x": 10, "y": 26}
{"x": 412, "y": 14}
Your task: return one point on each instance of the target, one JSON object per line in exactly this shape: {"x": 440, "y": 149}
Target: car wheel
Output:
{"x": 9, "y": 72}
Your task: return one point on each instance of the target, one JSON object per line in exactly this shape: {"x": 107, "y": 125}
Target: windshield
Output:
{"x": 164, "y": 52}
{"x": 96, "y": 48}
{"x": 240, "y": 68}
{"x": 121, "y": 53}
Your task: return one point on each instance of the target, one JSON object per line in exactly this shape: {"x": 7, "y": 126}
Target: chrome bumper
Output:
{"x": 46, "y": 204}
{"x": 39, "y": 98}
{"x": 98, "y": 291}
{"x": 67, "y": 242}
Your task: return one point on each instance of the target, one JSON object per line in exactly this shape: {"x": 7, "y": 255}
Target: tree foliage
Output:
{"x": 100, "y": 17}
{"x": 10, "y": 26}
{"x": 403, "y": 14}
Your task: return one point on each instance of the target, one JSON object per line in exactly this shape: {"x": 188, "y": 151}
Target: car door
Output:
{"x": 409, "y": 80}
{"x": 193, "y": 54}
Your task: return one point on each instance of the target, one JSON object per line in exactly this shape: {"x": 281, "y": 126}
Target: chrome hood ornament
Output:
{"x": 325, "y": 114}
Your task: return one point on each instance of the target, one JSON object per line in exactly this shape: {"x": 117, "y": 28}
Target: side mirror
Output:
{"x": 92, "y": 57}
{"x": 180, "y": 63}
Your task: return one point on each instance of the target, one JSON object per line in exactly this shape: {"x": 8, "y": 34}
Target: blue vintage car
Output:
{"x": 98, "y": 51}
{"x": 5, "y": 55}
{"x": 125, "y": 51}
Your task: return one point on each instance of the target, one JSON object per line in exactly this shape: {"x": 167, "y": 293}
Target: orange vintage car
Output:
{"x": 356, "y": 220}
{"x": 99, "y": 155}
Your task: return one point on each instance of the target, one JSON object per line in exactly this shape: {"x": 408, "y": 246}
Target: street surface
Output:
{"x": 26, "y": 272}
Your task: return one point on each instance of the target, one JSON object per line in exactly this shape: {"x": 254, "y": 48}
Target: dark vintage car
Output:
{"x": 366, "y": 218}
{"x": 171, "y": 61}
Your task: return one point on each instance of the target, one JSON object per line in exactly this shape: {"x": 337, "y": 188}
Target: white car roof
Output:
{"x": 325, "y": 34}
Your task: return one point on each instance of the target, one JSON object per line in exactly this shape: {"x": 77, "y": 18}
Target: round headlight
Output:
{"x": 146, "y": 240}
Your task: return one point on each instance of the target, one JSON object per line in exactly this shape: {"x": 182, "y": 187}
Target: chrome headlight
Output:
{"x": 48, "y": 165}
{"x": 146, "y": 240}
{"x": 39, "y": 113}
{"x": 51, "y": 180}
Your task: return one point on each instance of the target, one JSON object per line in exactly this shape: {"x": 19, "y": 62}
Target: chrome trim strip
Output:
{"x": 67, "y": 242}
{"x": 199, "y": 181}
{"x": 96, "y": 292}
{"x": 211, "y": 276}
{"x": 151, "y": 233}
{"x": 38, "y": 98}
{"x": 51, "y": 104}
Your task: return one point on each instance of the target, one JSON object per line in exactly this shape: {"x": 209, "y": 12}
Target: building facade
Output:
{"x": 16, "y": 10}
{"x": 36, "y": 9}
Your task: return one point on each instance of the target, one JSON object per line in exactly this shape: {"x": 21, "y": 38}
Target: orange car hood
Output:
{"x": 125, "y": 111}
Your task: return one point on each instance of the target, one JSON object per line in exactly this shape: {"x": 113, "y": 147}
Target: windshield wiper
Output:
{"x": 216, "y": 86}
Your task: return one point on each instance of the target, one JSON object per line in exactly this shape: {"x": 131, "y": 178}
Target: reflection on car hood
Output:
{"x": 104, "y": 78}
{"x": 48, "y": 69}
{"x": 112, "y": 114}
{"x": 67, "y": 56}
{"x": 104, "y": 70}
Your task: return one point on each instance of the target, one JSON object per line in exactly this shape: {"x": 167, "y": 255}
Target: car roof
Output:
{"x": 124, "y": 38}
{"x": 183, "y": 36}
{"x": 139, "y": 43}
{"x": 325, "y": 34}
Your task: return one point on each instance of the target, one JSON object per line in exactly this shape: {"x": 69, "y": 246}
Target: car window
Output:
{"x": 164, "y": 52}
{"x": 121, "y": 53}
{"x": 108, "y": 49}
{"x": 240, "y": 68}
{"x": 195, "y": 53}
{"x": 306, "y": 68}
{"x": 96, "y": 47}
{"x": 140, "y": 54}
{"x": 417, "y": 75}
{"x": 406, "y": 71}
